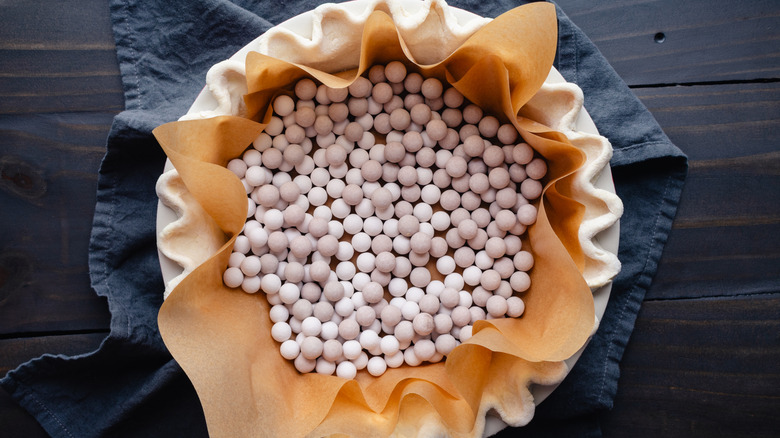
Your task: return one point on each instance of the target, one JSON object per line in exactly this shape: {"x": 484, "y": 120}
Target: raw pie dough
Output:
{"x": 431, "y": 33}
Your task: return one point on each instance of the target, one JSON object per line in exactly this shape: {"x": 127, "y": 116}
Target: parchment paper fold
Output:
{"x": 221, "y": 337}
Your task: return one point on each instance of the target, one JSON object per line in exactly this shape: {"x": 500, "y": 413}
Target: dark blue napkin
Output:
{"x": 131, "y": 386}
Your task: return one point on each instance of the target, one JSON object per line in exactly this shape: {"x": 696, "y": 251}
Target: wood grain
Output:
{"x": 701, "y": 368}
{"x": 726, "y": 236}
{"x": 711, "y": 41}
{"x": 49, "y": 167}
{"x": 57, "y": 56}
{"x": 717, "y": 122}
{"x": 59, "y": 90}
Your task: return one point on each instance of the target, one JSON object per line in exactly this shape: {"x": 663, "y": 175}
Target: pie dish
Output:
{"x": 307, "y": 39}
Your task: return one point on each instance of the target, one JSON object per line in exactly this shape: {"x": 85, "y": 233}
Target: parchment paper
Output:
{"x": 221, "y": 337}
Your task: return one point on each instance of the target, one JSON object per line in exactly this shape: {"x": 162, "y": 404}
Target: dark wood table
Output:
{"x": 704, "y": 359}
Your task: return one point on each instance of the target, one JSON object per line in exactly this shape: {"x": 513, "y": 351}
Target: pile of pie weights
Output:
{"x": 384, "y": 220}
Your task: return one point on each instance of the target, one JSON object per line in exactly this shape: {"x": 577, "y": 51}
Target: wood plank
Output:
{"x": 726, "y": 194}
{"x": 57, "y": 57}
{"x": 718, "y": 261}
{"x": 718, "y": 122}
{"x": 701, "y": 368}
{"x": 88, "y": 80}
{"x": 55, "y": 24}
{"x": 49, "y": 166}
{"x": 703, "y": 42}
{"x": 37, "y": 39}
{"x": 726, "y": 236}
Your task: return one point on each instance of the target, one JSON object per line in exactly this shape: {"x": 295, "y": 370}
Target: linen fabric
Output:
{"x": 131, "y": 386}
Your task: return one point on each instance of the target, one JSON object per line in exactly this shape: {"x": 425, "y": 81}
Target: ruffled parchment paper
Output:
{"x": 221, "y": 337}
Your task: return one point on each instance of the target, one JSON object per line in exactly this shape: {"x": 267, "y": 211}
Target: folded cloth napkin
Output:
{"x": 131, "y": 386}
